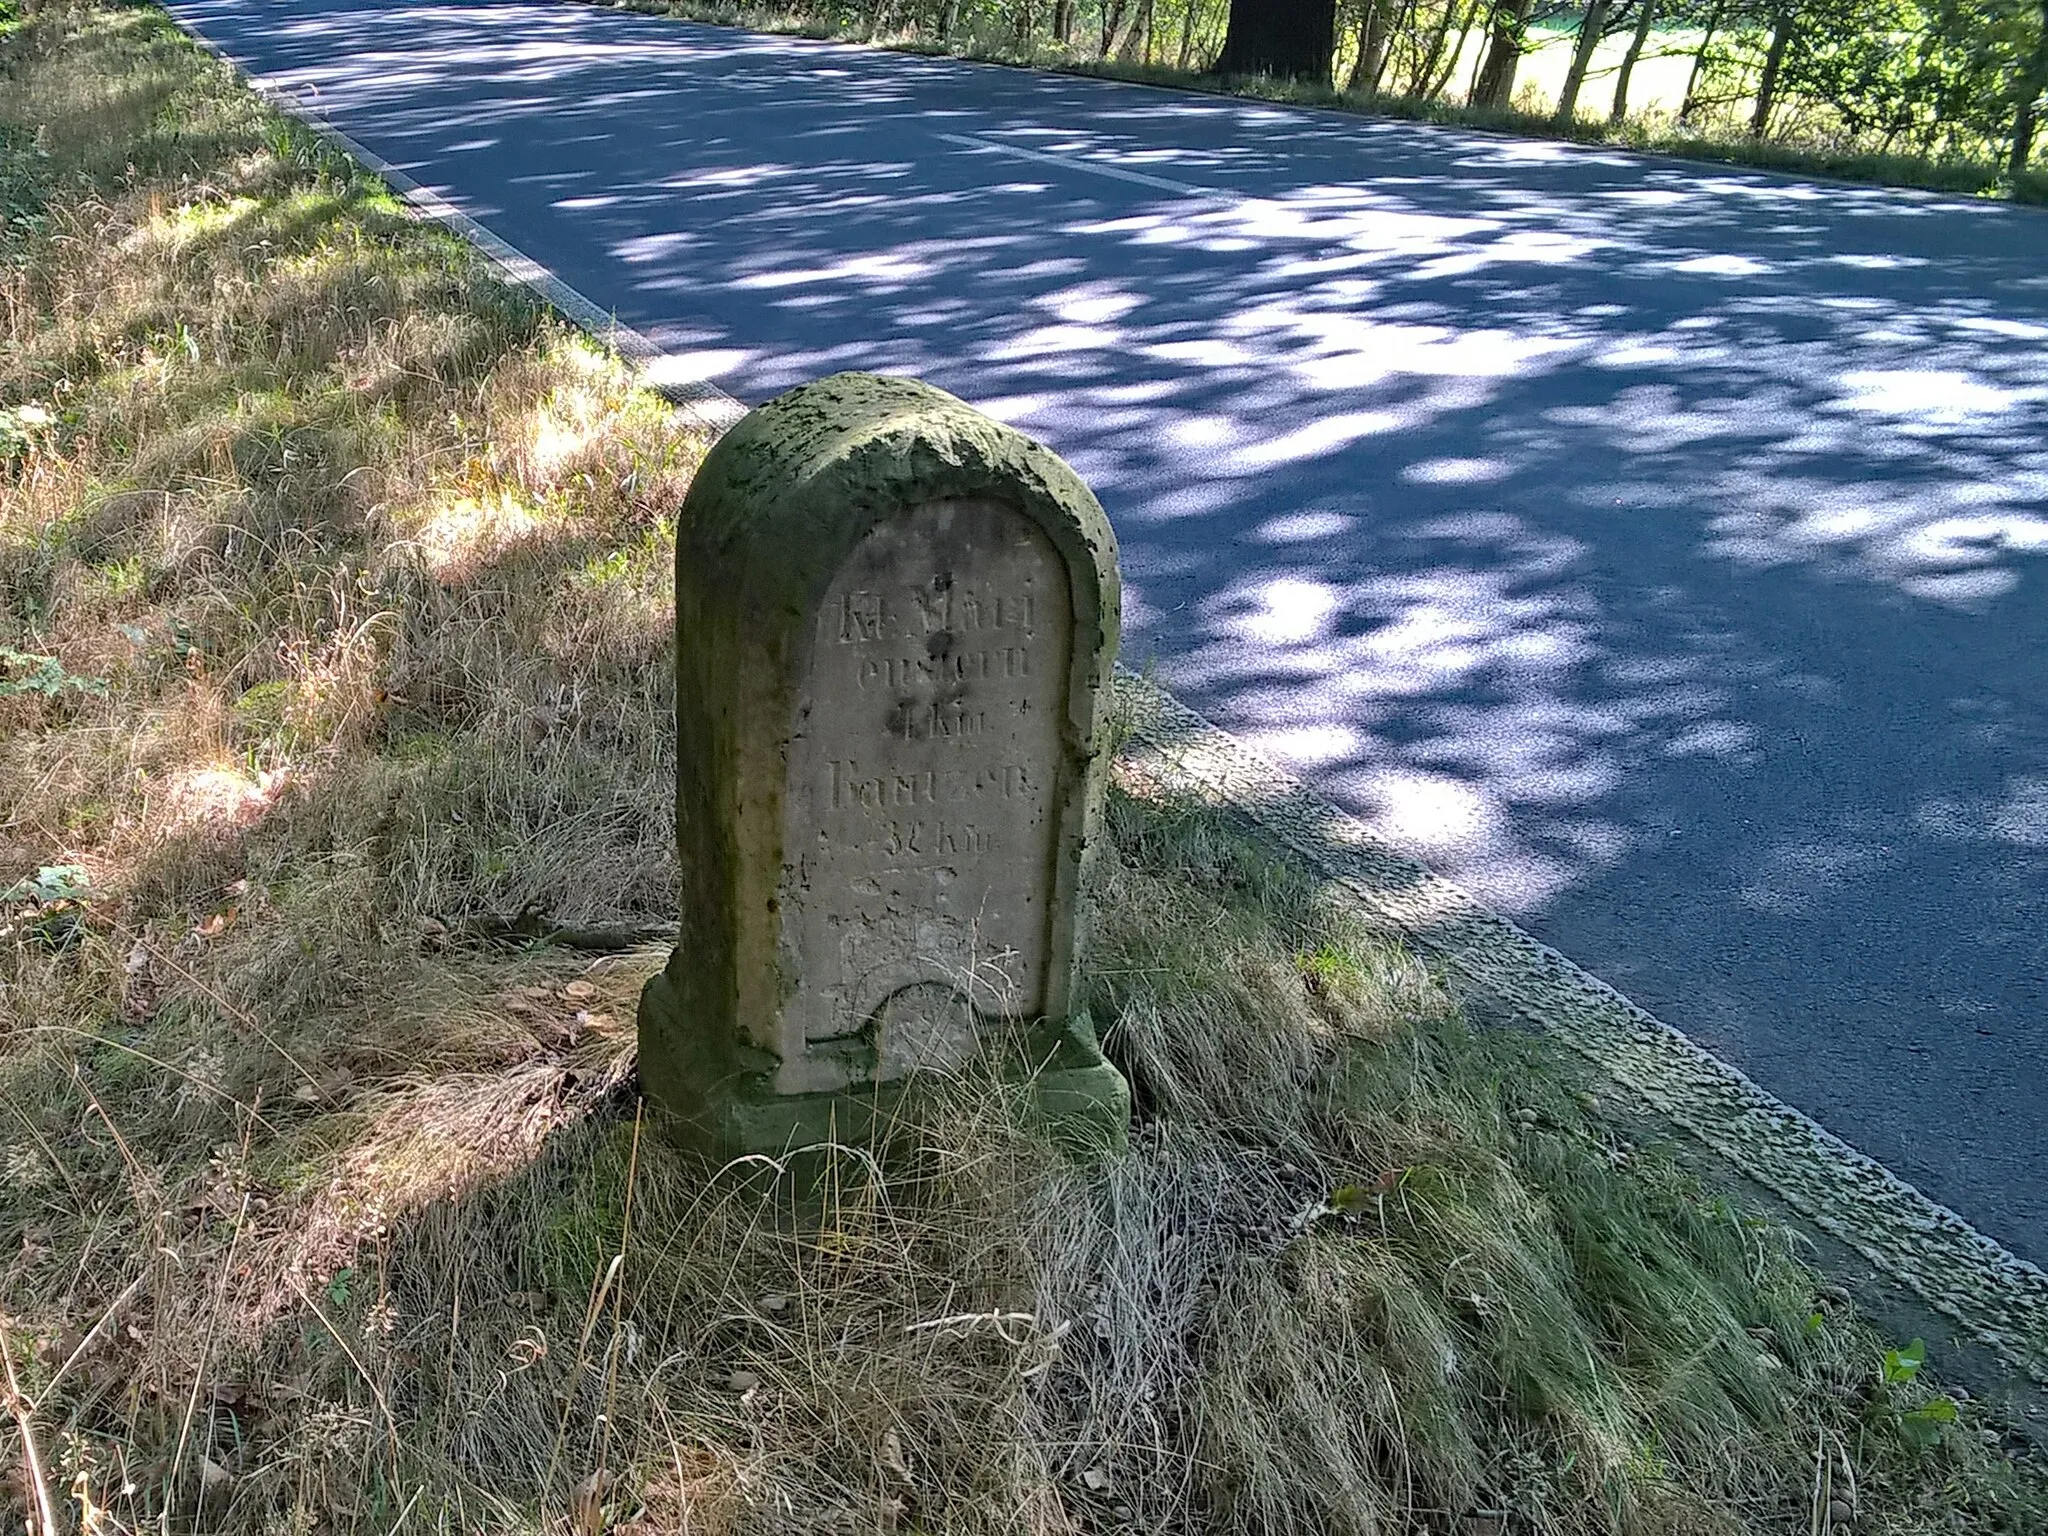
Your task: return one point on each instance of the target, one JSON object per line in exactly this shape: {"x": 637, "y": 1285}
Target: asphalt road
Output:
{"x": 1659, "y": 550}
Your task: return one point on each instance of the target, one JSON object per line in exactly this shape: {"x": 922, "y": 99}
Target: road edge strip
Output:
{"x": 1997, "y": 1298}
{"x": 1994, "y": 1296}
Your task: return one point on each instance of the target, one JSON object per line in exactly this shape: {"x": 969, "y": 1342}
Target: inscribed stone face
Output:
{"x": 921, "y": 822}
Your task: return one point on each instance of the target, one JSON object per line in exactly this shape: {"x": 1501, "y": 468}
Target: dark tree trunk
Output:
{"x": 1592, "y": 27}
{"x": 1496, "y": 85}
{"x": 1289, "y": 39}
{"x": 1063, "y": 21}
{"x": 2026, "y": 117}
{"x": 1774, "y": 69}
{"x": 1644, "y": 18}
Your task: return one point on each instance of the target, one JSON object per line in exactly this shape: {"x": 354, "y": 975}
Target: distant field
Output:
{"x": 1659, "y": 81}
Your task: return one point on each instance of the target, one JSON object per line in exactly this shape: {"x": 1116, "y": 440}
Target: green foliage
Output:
{"x": 22, "y": 674}
{"x": 45, "y": 909}
{"x": 1917, "y": 1420}
{"x": 1922, "y": 1426}
{"x": 49, "y": 885}
{"x": 1929, "y": 92}
{"x": 22, "y": 164}
{"x": 340, "y": 1287}
{"x": 1900, "y": 1366}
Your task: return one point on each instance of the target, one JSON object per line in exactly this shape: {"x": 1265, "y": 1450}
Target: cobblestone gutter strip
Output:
{"x": 2000, "y": 1300}
{"x": 1996, "y": 1298}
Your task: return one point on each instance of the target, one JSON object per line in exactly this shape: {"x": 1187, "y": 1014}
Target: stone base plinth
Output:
{"x": 718, "y": 1097}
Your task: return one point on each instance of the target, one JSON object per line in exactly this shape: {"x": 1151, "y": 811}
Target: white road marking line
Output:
{"x": 1070, "y": 163}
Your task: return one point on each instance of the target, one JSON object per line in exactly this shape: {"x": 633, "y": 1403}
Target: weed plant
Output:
{"x": 333, "y": 613}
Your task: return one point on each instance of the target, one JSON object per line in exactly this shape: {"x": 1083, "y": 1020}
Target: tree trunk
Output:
{"x": 1137, "y": 45}
{"x": 2026, "y": 106}
{"x": 1112, "y": 19}
{"x": 1425, "y": 67}
{"x": 1774, "y": 68}
{"x": 1699, "y": 65}
{"x": 1063, "y": 21}
{"x": 1443, "y": 80}
{"x": 949, "y": 16}
{"x": 1372, "y": 37}
{"x": 1289, "y": 39}
{"x": 1385, "y": 61}
{"x": 1187, "y": 33}
{"x": 1496, "y": 87}
{"x": 1592, "y": 27}
{"x": 1644, "y": 17}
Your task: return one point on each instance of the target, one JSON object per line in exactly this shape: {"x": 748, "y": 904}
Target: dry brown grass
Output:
{"x": 333, "y": 598}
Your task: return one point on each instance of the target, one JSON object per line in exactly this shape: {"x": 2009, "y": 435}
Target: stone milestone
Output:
{"x": 896, "y": 622}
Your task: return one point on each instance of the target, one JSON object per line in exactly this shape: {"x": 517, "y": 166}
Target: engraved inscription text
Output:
{"x": 921, "y": 813}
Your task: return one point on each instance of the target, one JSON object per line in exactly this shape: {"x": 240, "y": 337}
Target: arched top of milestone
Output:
{"x": 786, "y": 495}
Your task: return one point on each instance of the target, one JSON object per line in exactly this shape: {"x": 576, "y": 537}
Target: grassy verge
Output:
{"x": 333, "y": 604}
{"x": 1652, "y": 132}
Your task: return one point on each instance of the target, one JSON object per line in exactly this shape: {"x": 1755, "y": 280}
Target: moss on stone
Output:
{"x": 777, "y": 507}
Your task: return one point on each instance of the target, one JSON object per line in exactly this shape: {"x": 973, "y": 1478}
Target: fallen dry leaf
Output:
{"x": 890, "y": 1453}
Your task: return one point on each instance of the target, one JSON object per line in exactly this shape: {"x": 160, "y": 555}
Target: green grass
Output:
{"x": 334, "y": 613}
